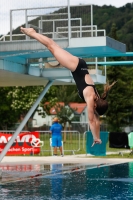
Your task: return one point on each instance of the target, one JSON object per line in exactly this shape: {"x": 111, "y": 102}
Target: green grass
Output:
{"x": 108, "y": 149}
{"x": 116, "y": 153}
{"x": 74, "y": 146}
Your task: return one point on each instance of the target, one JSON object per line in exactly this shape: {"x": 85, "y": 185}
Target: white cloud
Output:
{"x": 7, "y": 5}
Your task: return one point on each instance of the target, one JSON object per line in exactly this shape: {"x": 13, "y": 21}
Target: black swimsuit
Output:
{"x": 79, "y": 77}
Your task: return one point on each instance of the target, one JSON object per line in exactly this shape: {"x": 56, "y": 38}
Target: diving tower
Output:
{"x": 25, "y": 62}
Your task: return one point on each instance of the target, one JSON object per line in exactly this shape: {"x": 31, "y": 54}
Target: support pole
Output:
{"x": 69, "y": 23}
{"x": 20, "y": 127}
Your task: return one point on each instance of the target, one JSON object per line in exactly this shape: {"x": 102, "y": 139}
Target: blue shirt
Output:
{"x": 56, "y": 129}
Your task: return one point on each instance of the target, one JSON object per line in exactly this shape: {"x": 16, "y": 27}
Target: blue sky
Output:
{"x": 18, "y": 4}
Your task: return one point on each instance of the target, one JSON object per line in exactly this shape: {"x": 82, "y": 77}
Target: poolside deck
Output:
{"x": 13, "y": 160}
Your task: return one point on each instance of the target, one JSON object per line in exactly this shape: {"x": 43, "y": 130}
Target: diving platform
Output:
{"x": 18, "y": 70}
{"x": 24, "y": 61}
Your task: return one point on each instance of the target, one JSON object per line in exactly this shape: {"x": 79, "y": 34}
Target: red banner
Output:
{"x": 23, "y": 144}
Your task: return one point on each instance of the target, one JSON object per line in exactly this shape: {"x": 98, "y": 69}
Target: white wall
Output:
{"x": 39, "y": 121}
{"x": 84, "y": 115}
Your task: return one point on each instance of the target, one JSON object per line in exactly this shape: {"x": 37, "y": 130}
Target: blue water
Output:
{"x": 113, "y": 182}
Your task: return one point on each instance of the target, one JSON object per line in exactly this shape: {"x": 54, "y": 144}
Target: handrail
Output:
{"x": 50, "y": 33}
{"x": 68, "y": 14}
{"x": 45, "y": 135}
{"x": 36, "y": 27}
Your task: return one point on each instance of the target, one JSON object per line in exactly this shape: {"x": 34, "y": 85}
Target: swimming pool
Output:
{"x": 68, "y": 181}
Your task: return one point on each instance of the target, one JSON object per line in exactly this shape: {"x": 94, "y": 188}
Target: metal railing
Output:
{"x": 56, "y": 22}
{"x": 71, "y": 141}
{"x": 59, "y": 34}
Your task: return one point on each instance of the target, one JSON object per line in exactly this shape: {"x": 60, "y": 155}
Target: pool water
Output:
{"x": 69, "y": 181}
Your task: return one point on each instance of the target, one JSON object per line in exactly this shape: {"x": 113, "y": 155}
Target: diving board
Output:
{"x": 18, "y": 51}
{"x": 14, "y": 56}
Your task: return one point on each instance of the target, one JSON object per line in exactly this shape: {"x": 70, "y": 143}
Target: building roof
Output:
{"x": 78, "y": 108}
{"x": 52, "y": 109}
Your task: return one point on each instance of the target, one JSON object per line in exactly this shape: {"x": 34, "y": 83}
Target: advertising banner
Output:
{"x": 25, "y": 143}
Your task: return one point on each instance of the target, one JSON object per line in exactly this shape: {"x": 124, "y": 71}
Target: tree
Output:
{"x": 67, "y": 94}
{"x": 113, "y": 31}
{"x": 120, "y": 99}
{"x": 22, "y": 99}
{"x": 7, "y": 115}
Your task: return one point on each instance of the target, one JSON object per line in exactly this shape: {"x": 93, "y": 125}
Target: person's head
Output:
{"x": 55, "y": 119}
{"x": 101, "y": 103}
{"x": 101, "y": 106}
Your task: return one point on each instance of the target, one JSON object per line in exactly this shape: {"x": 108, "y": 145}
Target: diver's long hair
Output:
{"x": 102, "y": 104}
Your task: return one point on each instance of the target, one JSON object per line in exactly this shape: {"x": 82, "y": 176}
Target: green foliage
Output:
{"x": 23, "y": 98}
{"x": 51, "y": 93}
{"x": 62, "y": 93}
{"x": 48, "y": 105}
{"x": 113, "y": 31}
{"x": 119, "y": 111}
{"x": 65, "y": 114}
{"x": 7, "y": 115}
{"x": 65, "y": 94}
{"x": 16, "y": 101}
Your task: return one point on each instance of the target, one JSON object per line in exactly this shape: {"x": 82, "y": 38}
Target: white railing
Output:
{"x": 55, "y": 33}
{"x": 71, "y": 141}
